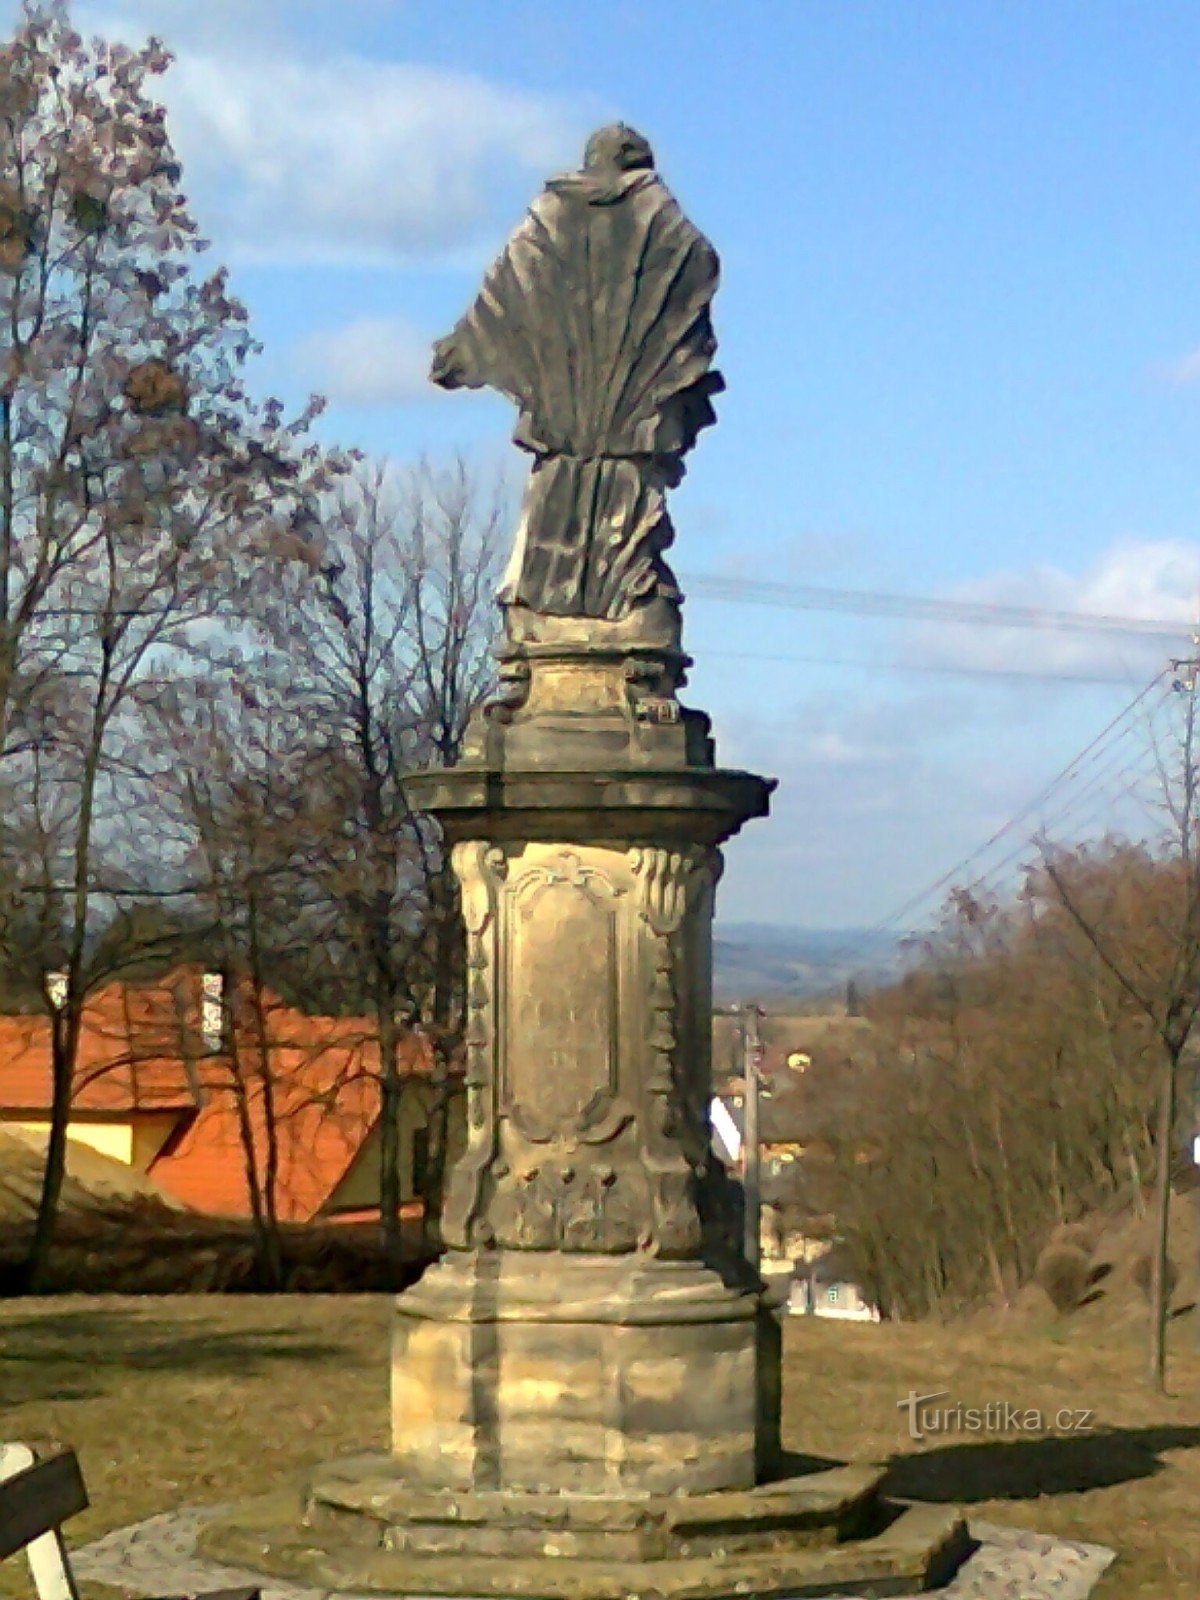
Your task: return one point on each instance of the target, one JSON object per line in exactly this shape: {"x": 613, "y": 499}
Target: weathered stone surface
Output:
{"x": 159, "y": 1556}
{"x": 820, "y": 1508}
{"x": 672, "y": 806}
{"x": 737, "y": 1553}
{"x": 600, "y": 1375}
{"x": 595, "y": 320}
{"x": 588, "y": 1065}
{"x": 589, "y": 703}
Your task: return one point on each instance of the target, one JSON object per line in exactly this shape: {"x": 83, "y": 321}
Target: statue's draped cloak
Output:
{"x": 595, "y": 320}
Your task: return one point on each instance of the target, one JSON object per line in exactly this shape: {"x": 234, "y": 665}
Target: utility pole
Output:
{"x": 751, "y": 1182}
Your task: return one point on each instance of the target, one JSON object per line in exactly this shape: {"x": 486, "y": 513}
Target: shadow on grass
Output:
{"x": 795, "y": 1464}
{"x": 77, "y": 1356}
{"x": 1022, "y": 1469}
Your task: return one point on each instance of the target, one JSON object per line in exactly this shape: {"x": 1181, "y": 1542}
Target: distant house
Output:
{"x": 137, "y": 1082}
{"x": 780, "y": 1244}
{"x": 793, "y": 1045}
{"x": 197, "y": 1095}
{"x": 726, "y": 1128}
{"x": 826, "y": 1287}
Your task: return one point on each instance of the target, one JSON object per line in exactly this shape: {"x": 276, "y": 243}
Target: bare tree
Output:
{"x": 1159, "y": 972}
{"x": 1008, "y": 1092}
{"x": 141, "y": 491}
{"x": 391, "y": 656}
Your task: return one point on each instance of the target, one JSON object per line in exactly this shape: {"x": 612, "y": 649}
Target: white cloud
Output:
{"x": 883, "y": 791}
{"x": 352, "y": 158}
{"x": 1143, "y": 580}
{"x": 871, "y": 804}
{"x": 296, "y": 157}
{"x": 372, "y": 361}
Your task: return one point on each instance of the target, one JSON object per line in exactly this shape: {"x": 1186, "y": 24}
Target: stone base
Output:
{"x": 585, "y": 692}
{"x": 364, "y": 1531}
{"x": 159, "y": 1556}
{"x": 582, "y": 1374}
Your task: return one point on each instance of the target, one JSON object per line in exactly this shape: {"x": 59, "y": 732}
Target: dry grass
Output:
{"x": 1133, "y": 1483}
{"x": 182, "y": 1400}
{"x": 176, "y": 1401}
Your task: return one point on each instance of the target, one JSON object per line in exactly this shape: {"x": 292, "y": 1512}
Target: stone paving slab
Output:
{"x": 158, "y": 1557}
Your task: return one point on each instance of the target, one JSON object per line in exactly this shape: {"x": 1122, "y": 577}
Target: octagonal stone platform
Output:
{"x": 364, "y": 1531}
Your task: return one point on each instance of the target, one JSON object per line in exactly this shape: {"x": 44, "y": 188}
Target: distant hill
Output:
{"x": 768, "y": 961}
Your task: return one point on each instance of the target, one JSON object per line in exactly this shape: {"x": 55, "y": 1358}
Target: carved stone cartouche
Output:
{"x": 587, "y": 1061}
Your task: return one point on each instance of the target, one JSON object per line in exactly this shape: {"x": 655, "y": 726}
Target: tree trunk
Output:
{"x": 271, "y": 1262}
{"x": 1159, "y": 1284}
{"x": 390, "y": 1094}
{"x": 64, "y": 1030}
{"x": 272, "y": 1254}
{"x": 267, "y": 1255}
{"x": 245, "y": 1121}
{"x": 66, "y": 1023}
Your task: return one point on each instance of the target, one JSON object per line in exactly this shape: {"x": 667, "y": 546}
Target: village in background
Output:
{"x": 280, "y": 1123}
{"x": 223, "y": 1139}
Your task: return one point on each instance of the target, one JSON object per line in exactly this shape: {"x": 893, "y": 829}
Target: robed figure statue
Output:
{"x": 595, "y": 321}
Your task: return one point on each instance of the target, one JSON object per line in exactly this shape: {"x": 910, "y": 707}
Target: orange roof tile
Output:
{"x": 315, "y": 1084}
{"x": 304, "y": 1092}
{"x": 133, "y": 1053}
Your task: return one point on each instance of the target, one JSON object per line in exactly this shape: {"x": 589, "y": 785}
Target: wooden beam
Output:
{"x": 38, "y": 1499}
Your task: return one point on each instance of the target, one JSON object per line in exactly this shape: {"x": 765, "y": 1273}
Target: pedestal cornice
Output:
{"x": 703, "y": 806}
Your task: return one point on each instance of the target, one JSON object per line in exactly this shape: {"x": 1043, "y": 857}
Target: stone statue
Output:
{"x": 595, "y": 320}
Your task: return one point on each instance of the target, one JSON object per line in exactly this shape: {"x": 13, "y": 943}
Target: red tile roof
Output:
{"x": 133, "y": 1053}
{"x": 313, "y": 1080}
{"x": 319, "y": 1092}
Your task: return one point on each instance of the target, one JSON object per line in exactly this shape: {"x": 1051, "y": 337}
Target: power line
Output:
{"x": 974, "y": 613}
{"x": 1014, "y": 673}
{"x": 1105, "y": 796}
{"x": 1066, "y": 775}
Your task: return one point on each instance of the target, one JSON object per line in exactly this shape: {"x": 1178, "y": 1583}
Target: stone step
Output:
{"x": 921, "y": 1546}
{"x": 364, "y": 1500}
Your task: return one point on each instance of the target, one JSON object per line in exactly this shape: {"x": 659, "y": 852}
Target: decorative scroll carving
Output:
{"x": 480, "y": 869}
{"x": 569, "y": 1202}
{"x": 650, "y": 684}
{"x": 512, "y": 689}
{"x": 669, "y": 883}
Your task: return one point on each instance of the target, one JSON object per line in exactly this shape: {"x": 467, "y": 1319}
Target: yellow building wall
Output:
{"x": 151, "y": 1129}
{"x": 113, "y": 1139}
{"x": 359, "y": 1188}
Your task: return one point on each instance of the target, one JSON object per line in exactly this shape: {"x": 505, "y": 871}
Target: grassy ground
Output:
{"x": 184, "y": 1400}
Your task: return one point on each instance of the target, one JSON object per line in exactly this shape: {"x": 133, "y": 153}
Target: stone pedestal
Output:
{"x": 585, "y": 1389}
{"x": 591, "y": 1329}
{"x": 581, "y": 1374}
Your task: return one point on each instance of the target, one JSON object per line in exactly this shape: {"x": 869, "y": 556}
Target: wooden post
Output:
{"x": 751, "y": 1167}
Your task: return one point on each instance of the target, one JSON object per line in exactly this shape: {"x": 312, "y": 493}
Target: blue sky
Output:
{"x": 960, "y": 324}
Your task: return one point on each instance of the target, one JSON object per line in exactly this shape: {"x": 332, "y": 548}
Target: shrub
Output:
{"x": 1064, "y": 1272}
